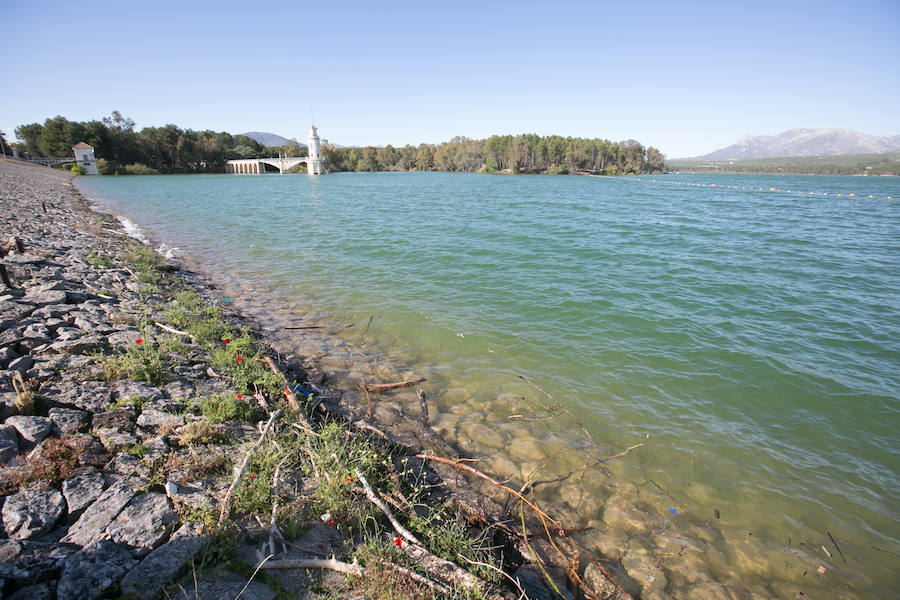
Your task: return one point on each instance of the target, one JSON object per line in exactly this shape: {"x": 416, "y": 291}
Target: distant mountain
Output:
{"x": 268, "y": 139}
{"x": 806, "y": 142}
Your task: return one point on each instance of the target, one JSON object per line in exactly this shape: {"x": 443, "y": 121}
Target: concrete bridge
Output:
{"x": 315, "y": 164}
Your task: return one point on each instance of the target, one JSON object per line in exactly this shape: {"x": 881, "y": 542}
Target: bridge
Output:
{"x": 315, "y": 164}
{"x": 44, "y": 160}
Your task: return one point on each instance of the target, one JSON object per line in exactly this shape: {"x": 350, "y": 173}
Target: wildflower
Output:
{"x": 239, "y": 359}
{"x": 331, "y": 522}
{"x": 319, "y": 546}
{"x": 240, "y": 397}
{"x": 224, "y": 341}
{"x": 398, "y": 541}
{"x": 252, "y": 475}
{"x": 140, "y": 341}
{"x": 350, "y": 479}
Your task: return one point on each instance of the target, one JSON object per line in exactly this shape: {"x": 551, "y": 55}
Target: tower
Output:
{"x": 315, "y": 164}
{"x": 84, "y": 156}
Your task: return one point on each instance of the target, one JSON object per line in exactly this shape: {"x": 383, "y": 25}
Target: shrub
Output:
{"x": 140, "y": 169}
{"x": 78, "y": 170}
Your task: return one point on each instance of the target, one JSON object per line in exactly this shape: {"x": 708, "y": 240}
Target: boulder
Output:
{"x": 125, "y": 463}
{"x": 163, "y": 565}
{"x": 156, "y": 418}
{"x": 68, "y": 420}
{"x": 22, "y": 364}
{"x": 92, "y": 396}
{"x": 94, "y": 571}
{"x": 115, "y": 439}
{"x": 32, "y": 512}
{"x": 128, "y": 389}
{"x": 9, "y": 443}
{"x": 117, "y": 418}
{"x": 82, "y": 489}
{"x": 38, "y": 591}
{"x": 32, "y": 430}
{"x": 144, "y": 523}
{"x": 81, "y": 345}
{"x": 97, "y": 517}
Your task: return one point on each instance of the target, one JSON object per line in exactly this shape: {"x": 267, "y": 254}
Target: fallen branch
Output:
{"x": 370, "y": 494}
{"x": 567, "y": 411}
{"x": 418, "y": 578}
{"x": 489, "y": 479}
{"x": 175, "y": 331}
{"x": 249, "y": 581}
{"x": 382, "y": 387}
{"x": 317, "y": 563}
{"x": 620, "y": 454}
{"x": 366, "y": 427}
{"x": 306, "y": 327}
{"x": 292, "y": 398}
{"x": 237, "y": 478}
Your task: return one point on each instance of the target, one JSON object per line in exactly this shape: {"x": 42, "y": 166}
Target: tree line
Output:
{"x": 121, "y": 149}
{"x": 527, "y": 153}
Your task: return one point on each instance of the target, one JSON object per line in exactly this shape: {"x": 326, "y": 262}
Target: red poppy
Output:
{"x": 331, "y": 523}
{"x": 239, "y": 397}
{"x": 140, "y": 341}
{"x": 398, "y": 541}
{"x": 350, "y": 479}
{"x": 224, "y": 341}
{"x": 319, "y": 546}
{"x": 252, "y": 475}
{"x": 239, "y": 359}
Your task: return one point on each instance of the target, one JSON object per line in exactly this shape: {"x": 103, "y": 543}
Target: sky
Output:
{"x": 685, "y": 77}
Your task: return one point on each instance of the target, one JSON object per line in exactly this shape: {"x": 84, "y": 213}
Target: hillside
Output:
{"x": 806, "y": 142}
{"x": 268, "y": 139}
{"x": 848, "y": 164}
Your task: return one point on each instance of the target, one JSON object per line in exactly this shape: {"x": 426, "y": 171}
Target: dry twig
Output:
{"x": 237, "y": 478}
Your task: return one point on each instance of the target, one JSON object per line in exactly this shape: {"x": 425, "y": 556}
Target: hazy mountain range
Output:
{"x": 806, "y": 142}
{"x": 268, "y": 139}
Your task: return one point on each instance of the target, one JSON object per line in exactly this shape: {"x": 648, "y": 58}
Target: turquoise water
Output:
{"x": 750, "y": 339}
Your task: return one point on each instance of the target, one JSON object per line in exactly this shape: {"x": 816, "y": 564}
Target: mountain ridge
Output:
{"x": 806, "y": 142}
{"x": 268, "y": 139}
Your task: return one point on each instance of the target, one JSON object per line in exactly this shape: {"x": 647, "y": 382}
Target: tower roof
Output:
{"x": 82, "y": 146}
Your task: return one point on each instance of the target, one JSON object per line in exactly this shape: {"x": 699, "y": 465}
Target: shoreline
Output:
{"x": 74, "y": 239}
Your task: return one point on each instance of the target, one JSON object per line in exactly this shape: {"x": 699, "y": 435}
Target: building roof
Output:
{"x": 82, "y": 146}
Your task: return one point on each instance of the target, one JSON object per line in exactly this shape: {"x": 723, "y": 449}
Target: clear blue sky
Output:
{"x": 686, "y": 77}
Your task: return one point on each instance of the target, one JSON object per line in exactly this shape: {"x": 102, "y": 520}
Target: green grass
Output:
{"x": 147, "y": 362}
{"x": 225, "y": 407}
{"x": 98, "y": 260}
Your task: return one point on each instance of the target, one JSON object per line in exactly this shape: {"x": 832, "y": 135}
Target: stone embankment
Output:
{"x": 124, "y": 418}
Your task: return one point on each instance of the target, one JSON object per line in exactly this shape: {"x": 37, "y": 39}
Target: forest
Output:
{"x": 121, "y": 149}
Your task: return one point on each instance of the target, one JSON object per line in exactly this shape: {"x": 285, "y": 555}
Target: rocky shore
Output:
{"x": 153, "y": 445}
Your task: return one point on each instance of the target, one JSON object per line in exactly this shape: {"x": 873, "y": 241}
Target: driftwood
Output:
{"x": 316, "y": 563}
{"x": 370, "y": 494}
{"x": 438, "y": 567}
{"x": 292, "y": 398}
{"x": 173, "y": 331}
{"x": 382, "y": 387}
{"x": 836, "y": 546}
{"x": 237, "y": 478}
{"x": 462, "y": 466}
{"x": 305, "y": 327}
{"x": 563, "y": 408}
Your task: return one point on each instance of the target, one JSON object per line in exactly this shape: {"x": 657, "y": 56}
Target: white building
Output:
{"x": 84, "y": 156}
{"x": 315, "y": 164}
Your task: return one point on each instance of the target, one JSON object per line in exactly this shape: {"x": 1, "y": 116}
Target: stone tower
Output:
{"x": 315, "y": 165}
{"x": 84, "y": 156}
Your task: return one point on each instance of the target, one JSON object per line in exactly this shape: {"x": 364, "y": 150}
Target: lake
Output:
{"x": 744, "y": 328}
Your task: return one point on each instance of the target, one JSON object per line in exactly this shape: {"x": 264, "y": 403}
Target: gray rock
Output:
{"x": 27, "y": 562}
{"x": 115, "y": 439}
{"x": 144, "y": 524}
{"x": 163, "y": 565}
{"x": 53, "y": 311}
{"x": 117, "y": 418}
{"x": 68, "y": 420}
{"x": 82, "y": 489}
{"x": 8, "y": 405}
{"x": 227, "y": 584}
{"x": 155, "y": 418}
{"x": 94, "y": 571}
{"x": 179, "y": 389}
{"x": 21, "y": 364}
{"x": 44, "y": 298}
{"x": 600, "y": 586}
{"x": 36, "y": 331}
{"x": 125, "y": 463}
{"x": 31, "y": 429}
{"x": 92, "y": 396}
{"x": 11, "y": 313}
{"x": 39, "y": 591}
{"x": 32, "y": 512}
{"x": 530, "y": 579}
{"x": 81, "y": 345}
{"x": 128, "y": 389}
{"x": 97, "y": 517}
{"x": 9, "y": 443}
{"x": 7, "y": 355}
